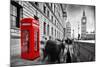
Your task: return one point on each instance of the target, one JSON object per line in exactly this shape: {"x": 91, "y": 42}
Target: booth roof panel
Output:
{"x": 29, "y": 20}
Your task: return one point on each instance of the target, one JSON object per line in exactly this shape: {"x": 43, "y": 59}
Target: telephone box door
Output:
{"x": 25, "y": 43}
{"x": 36, "y": 41}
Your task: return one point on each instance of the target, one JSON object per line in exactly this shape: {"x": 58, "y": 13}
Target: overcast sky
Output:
{"x": 75, "y": 13}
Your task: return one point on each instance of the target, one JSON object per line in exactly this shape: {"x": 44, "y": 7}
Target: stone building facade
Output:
{"x": 51, "y": 18}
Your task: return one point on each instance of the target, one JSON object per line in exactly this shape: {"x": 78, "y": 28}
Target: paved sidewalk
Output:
{"x": 17, "y": 61}
{"x": 15, "y": 55}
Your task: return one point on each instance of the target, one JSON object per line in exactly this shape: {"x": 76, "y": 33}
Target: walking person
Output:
{"x": 52, "y": 51}
{"x": 67, "y": 51}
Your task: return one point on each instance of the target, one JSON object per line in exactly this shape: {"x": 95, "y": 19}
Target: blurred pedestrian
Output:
{"x": 68, "y": 57}
{"x": 67, "y": 51}
{"x": 52, "y": 51}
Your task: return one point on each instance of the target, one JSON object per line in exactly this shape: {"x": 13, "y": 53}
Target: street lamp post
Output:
{"x": 78, "y": 31}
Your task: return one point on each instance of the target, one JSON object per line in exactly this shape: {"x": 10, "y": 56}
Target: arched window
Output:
{"x": 48, "y": 29}
{"x": 52, "y": 30}
{"x": 44, "y": 28}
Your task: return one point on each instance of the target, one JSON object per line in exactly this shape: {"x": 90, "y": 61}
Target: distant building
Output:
{"x": 90, "y": 36}
{"x": 83, "y": 26}
{"x": 68, "y": 30}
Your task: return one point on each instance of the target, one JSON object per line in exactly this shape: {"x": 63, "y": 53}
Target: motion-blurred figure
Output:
{"x": 68, "y": 51}
{"x": 53, "y": 51}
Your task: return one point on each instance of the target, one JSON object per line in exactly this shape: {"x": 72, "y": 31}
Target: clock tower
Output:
{"x": 83, "y": 26}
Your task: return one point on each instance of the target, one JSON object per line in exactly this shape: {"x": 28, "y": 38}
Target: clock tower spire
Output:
{"x": 83, "y": 12}
{"x": 83, "y": 25}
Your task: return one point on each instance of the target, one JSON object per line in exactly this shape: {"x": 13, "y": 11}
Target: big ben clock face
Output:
{"x": 84, "y": 20}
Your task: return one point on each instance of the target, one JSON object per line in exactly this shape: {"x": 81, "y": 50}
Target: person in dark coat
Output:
{"x": 68, "y": 41}
{"x": 52, "y": 51}
{"x": 62, "y": 47}
{"x": 68, "y": 59}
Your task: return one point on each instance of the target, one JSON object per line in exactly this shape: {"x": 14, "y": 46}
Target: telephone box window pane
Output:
{"x": 35, "y": 40}
{"x": 25, "y": 41}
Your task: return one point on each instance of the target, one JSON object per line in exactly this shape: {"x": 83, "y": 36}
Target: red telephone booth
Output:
{"x": 30, "y": 38}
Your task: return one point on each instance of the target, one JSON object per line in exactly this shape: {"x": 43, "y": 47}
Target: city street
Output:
{"x": 17, "y": 60}
{"x": 16, "y": 52}
{"x": 85, "y": 50}
{"x": 51, "y": 33}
